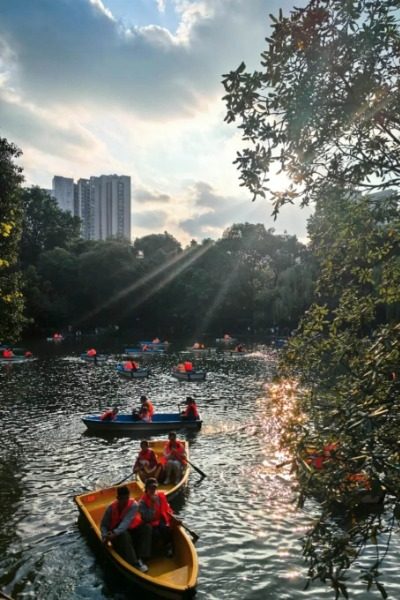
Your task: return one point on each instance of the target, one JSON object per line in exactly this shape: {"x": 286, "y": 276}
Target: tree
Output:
{"x": 45, "y": 226}
{"x": 324, "y": 111}
{"x": 11, "y": 300}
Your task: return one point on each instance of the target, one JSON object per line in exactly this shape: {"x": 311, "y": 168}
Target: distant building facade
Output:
{"x": 102, "y": 203}
{"x": 63, "y": 192}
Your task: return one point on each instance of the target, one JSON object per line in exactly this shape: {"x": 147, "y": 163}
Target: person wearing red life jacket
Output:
{"x": 188, "y": 366}
{"x": 28, "y": 354}
{"x": 146, "y": 464}
{"x": 110, "y": 414}
{"x": 120, "y": 527}
{"x": 146, "y": 410}
{"x": 8, "y": 353}
{"x": 155, "y": 512}
{"x": 174, "y": 459}
{"x": 130, "y": 365}
{"x": 92, "y": 353}
{"x": 191, "y": 412}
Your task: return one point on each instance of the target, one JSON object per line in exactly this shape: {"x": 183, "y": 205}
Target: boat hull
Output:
{"x": 162, "y": 422}
{"x": 193, "y": 376}
{"x": 139, "y": 374}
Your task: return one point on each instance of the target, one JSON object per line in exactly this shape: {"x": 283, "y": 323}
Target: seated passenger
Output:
{"x": 191, "y": 412}
{"x": 119, "y": 527}
{"x": 188, "y": 366}
{"x": 146, "y": 464}
{"x": 155, "y": 512}
{"x": 8, "y": 353}
{"x": 110, "y": 414}
{"x": 174, "y": 459}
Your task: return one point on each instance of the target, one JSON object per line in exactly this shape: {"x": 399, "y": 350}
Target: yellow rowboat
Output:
{"x": 173, "y": 578}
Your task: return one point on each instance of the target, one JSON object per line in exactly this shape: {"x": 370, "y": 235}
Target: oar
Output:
{"x": 200, "y": 472}
{"x": 194, "y": 535}
{"x": 124, "y": 479}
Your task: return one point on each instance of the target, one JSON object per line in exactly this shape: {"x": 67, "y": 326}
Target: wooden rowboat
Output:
{"x": 141, "y": 373}
{"x": 189, "y": 376}
{"x": 174, "y": 578}
{"x": 126, "y": 424}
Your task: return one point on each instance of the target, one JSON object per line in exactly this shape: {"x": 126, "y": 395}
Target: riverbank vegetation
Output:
{"x": 324, "y": 111}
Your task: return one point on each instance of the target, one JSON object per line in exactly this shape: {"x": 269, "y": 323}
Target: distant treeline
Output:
{"x": 249, "y": 281}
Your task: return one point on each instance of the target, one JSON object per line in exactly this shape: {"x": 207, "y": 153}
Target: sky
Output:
{"x": 133, "y": 87}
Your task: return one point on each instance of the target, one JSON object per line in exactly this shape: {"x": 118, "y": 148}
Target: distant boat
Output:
{"x": 161, "y": 422}
{"x": 140, "y": 373}
{"x": 97, "y": 360}
{"x": 189, "y": 375}
{"x": 142, "y": 352}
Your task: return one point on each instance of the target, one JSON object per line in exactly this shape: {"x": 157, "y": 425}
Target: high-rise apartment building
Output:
{"x": 102, "y": 203}
{"x": 63, "y": 192}
{"x": 110, "y": 196}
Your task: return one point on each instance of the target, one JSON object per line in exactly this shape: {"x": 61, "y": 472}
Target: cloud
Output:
{"x": 76, "y": 52}
{"x": 152, "y": 219}
{"x": 144, "y": 195}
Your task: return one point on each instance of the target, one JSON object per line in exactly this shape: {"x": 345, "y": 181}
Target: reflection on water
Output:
{"x": 244, "y": 510}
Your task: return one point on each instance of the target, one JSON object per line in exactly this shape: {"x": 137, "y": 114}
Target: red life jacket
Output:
{"x": 107, "y": 416}
{"x": 117, "y": 516}
{"x": 191, "y": 412}
{"x": 127, "y": 365}
{"x": 8, "y": 353}
{"x": 188, "y": 366}
{"x": 91, "y": 352}
{"x": 176, "y": 452}
{"x": 147, "y": 455}
{"x": 161, "y": 508}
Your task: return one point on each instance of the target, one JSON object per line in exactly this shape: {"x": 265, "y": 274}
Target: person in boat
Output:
{"x": 8, "y": 353}
{"x": 120, "y": 526}
{"x": 174, "y": 459}
{"x": 92, "y": 353}
{"x": 130, "y": 365}
{"x": 146, "y": 464}
{"x": 144, "y": 415}
{"x": 156, "y": 340}
{"x": 28, "y": 354}
{"x": 188, "y": 366}
{"x": 180, "y": 368}
{"x": 191, "y": 412}
{"x": 155, "y": 512}
{"x": 227, "y": 337}
{"x": 110, "y": 414}
{"x": 239, "y": 348}
{"x": 196, "y": 346}
{"x": 146, "y": 409}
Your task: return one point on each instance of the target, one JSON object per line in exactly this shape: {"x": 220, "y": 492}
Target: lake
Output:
{"x": 244, "y": 510}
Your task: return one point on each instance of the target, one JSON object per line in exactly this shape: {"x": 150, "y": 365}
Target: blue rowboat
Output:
{"x": 16, "y": 360}
{"x": 189, "y": 376}
{"x": 141, "y": 373}
{"x": 141, "y": 352}
{"x": 127, "y": 424}
{"x": 97, "y": 360}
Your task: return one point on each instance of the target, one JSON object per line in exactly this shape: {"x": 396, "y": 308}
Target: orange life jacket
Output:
{"x": 117, "y": 516}
{"x": 175, "y": 452}
{"x": 161, "y": 509}
{"x": 147, "y": 456}
{"x": 150, "y": 407}
{"x": 191, "y": 412}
